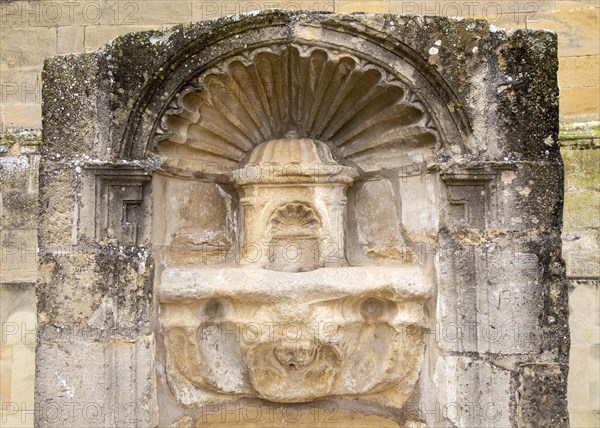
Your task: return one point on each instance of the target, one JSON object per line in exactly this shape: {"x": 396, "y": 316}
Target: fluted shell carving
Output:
{"x": 355, "y": 107}
{"x": 294, "y": 219}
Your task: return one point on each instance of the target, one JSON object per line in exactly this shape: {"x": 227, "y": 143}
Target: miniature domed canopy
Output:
{"x": 293, "y": 159}
{"x": 292, "y": 150}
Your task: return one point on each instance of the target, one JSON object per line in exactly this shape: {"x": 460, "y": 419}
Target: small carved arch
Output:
{"x": 295, "y": 238}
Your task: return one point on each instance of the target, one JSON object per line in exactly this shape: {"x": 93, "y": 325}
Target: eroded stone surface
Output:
{"x": 475, "y": 393}
{"x": 122, "y": 373}
{"x": 294, "y": 337}
{"x": 540, "y": 388}
{"x": 258, "y": 415}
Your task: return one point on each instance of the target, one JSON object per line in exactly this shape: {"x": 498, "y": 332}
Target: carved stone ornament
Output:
{"x": 292, "y": 322}
{"x": 364, "y": 113}
{"x": 294, "y": 337}
{"x": 285, "y": 212}
{"x": 115, "y": 203}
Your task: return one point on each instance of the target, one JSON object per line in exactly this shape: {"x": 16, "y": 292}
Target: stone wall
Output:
{"x": 19, "y": 161}
{"x": 49, "y": 28}
{"x": 31, "y": 31}
{"x": 581, "y": 240}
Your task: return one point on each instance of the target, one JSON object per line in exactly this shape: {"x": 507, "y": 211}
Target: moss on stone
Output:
{"x": 23, "y": 137}
{"x": 580, "y": 135}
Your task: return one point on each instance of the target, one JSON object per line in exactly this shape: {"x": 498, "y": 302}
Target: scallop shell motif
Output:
{"x": 354, "y": 107}
{"x": 294, "y": 219}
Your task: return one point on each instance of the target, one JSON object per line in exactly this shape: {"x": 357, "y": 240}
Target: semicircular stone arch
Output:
{"x": 376, "y": 105}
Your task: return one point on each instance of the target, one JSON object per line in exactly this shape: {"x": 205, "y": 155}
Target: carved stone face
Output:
{"x": 336, "y": 332}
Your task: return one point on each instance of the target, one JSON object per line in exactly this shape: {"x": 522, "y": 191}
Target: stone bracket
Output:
{"x": 116, "y": 199}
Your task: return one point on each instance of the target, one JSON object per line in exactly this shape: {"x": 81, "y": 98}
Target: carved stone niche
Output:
{"x": 292, "y": 323}
{"x": 302, "y": 200}
{"x": 471, "y": 199}
{"x": 286, "y": 131}
{"x": 293, "y": 199}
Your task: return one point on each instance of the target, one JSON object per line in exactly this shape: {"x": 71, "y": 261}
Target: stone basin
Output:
{"x": 293, "y": 337}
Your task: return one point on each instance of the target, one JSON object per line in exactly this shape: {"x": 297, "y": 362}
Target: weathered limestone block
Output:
{"x": 259, "y": 415}
{"x": 491, "y": 302}
{"x": 58, "y": 206}
{"x": 110, "y": 291}
{"x": 475, "y": 394}
{"x": 420, "y": 222}
{"x": 19, "y": 255}
{"x": 18, "y": 313}
{"x": 542, "y": 386}
{"x": 18, "y": 186}
{"x": 581, "y": 233}
{"x": 205, "y": 214}
{"x": 306, "y": 209}
{"x": 73, "y": 100}
{"x": 203, "y": 231}
{"x": 230, "y": 331}
{"x": 19, "y": 164}
{"x": 17, "y": 350}
{"x": 95, "y": 384}
{"x": 522, "y": 198}
{"x": 377, "y": 218}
